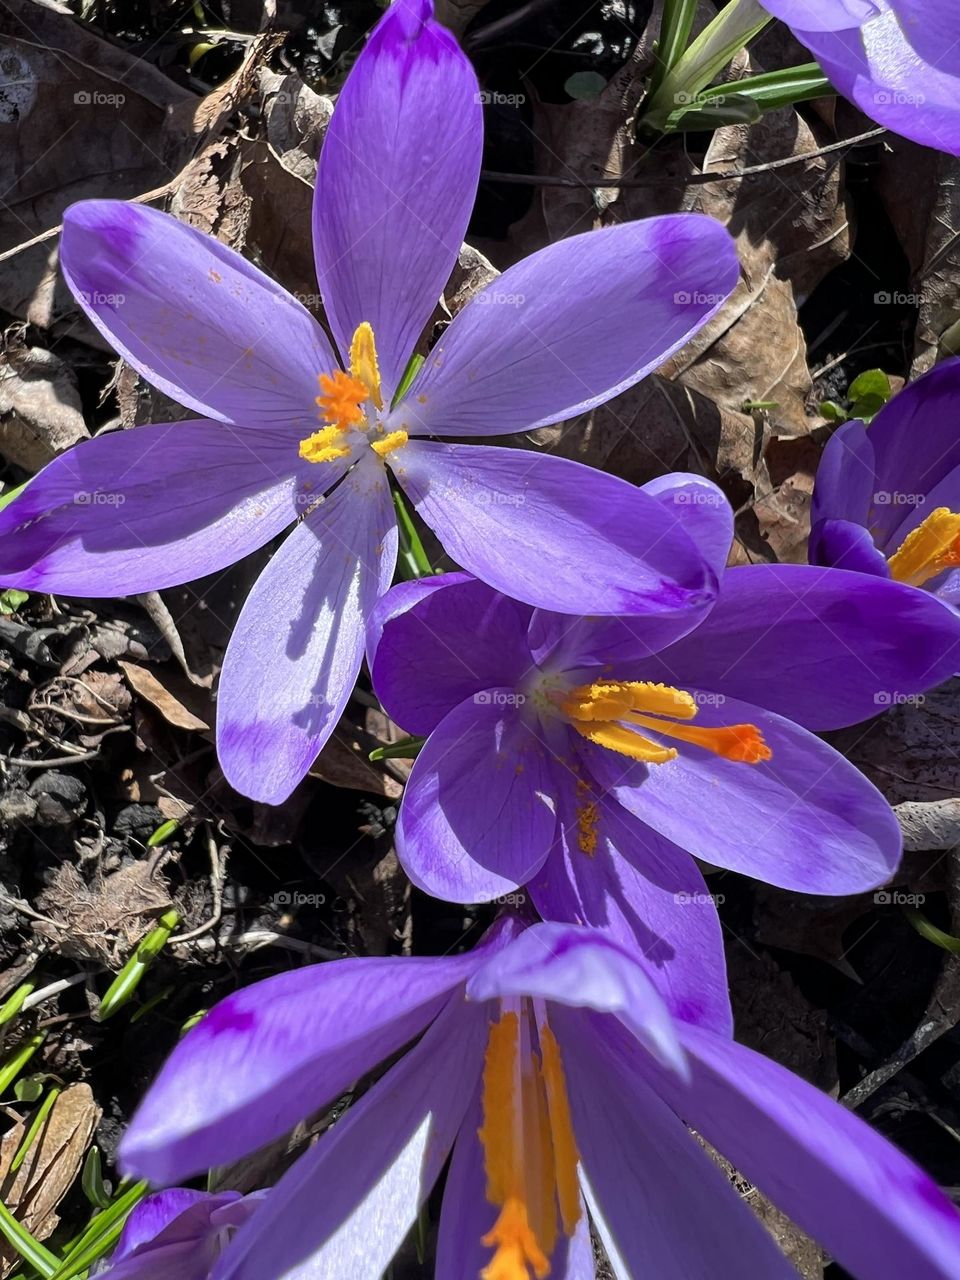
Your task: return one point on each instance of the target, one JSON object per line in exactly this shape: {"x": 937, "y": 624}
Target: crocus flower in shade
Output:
{"x": 178, "y": 1233}
{"x": 291, "y": 437}
{"x": 898, "y": 60}
{"x": 559, "y": 748}
{"x": 887, "y": 496}
{"x": 548, "y": 1066}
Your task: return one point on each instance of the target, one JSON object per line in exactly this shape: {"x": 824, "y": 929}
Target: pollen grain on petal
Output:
{"x": 928, "y": 550}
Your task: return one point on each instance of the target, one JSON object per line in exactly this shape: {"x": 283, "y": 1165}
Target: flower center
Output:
{"x": 930, "y": 549}
{"x": 609, "y": 714}
{"x": 350, "y": 405}
{"x": 530, "y": 1153}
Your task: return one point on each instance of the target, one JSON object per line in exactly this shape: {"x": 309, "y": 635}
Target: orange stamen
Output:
{"x": 603, "y": 712}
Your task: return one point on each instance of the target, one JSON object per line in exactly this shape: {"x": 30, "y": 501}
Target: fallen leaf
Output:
{"x": 50, "y": 1167}
{"x": 158, "y": 691}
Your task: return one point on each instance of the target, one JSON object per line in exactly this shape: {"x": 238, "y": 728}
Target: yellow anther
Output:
{"x": 565, "y": 1154}
{"x": 324, "y": 446}
{"x": 393, "y": 440}
{"x": 608, "y": 700}
{"x": 363, "y": 362}
{"x": 530, "y": 1153}
{"x": 605, "y": 712}
{"x": 929, "y": 549}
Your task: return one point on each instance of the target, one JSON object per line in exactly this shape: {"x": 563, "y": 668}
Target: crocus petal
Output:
{"x": 396, "y": 182}
{"x": 572, "y": 325}
{"x": 581, "y": 969}
{"x": 199, "y": 321}
{"x": 476, "y": 819}
{"x": 825, "y": 647}
{"x": 842, "y": 1183}
{"x": 896, "y": 73}
{"x": 806, "y": 819}
{"x": 555, "y": 533}
{"x": 839, "y": 544}
{"x": 346, "y": 1206}
{"x": 467, "y": 1215}
{"x": 281, "y": 1049}
{"x": 661, "y": 1206}
{"x": 616, "y": 874}
{"x": 444, "y": 643}
{"x": 153, "y": 1215}
{"x": 562, "y": 643}
{"x": 846, "y": 481}
{"x": 293, "y": 658}
{"x": 147, "y": 508}
{"x": 915, "y": 442}
{"x": 823, "y": 15}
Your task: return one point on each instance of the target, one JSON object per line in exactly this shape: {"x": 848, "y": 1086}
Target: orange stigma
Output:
{"x": 929, "y": 549}
{"x": 530, "y": 1153}
{"x": 608, "y": 712}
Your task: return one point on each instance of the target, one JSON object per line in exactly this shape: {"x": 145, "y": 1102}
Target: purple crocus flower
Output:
{"x": 887, "y": 496}
{"x": 559, "y": 332}
{"x": 561, "y": 749}
{"x": 178, "y": 1233}
{"x": 898, "y": 60}
{"x": 550, "y": 1068}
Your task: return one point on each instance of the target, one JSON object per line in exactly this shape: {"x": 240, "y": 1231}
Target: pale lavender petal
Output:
{"x": 295, "y": 652}
{"x": 572, "y": 326}
{"x": 477, "y": 816}
{"x": 806, "y": 819}
{"x": 581, "y": 969}
{"x": 441, "y": 640}
{"x": 823, "y": 15}
{"x": 842, "y": 1183}
{"x": 278, "y": 1051}
{"x": 825, "y": 647}
{"x": 199, "y": 321}
{"x": 345, "y": 1207}
{"x": 898, "y": 70}
{"x": 159, "y": 1211}
{"x": 396, "y": 183}
{"x": 148, "y": 508}
{"x": 616, "y": 874}
{"x": 661, "y": 1206}
{"x": 554, "y": 533}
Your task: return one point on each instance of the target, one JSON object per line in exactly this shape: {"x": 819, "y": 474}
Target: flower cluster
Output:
{"x": 603, "y": 706}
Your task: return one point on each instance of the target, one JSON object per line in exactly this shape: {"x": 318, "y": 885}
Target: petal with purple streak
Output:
{"x": 278, "y": 1051}
{"x": 148, "y": 508}
{"x": 200, "y": 322}
{"x": 872, "y": 1208}
{"x": 396, "y": 183}
{"x": 296, "y": 649}
{"x": 572, "y": 326}
{"x": 825, "y": 647}
{"x": 642, "y": 1170}
{"x": 581, "y": 969}
{"x": 805, "y": 819}
{"x": 347, "y": 1204}
{"x": 555, "y": 533}
{"x": 477, "y": 817}
{"x": 643, "y": 892}
{"x": 456, "y": 637}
